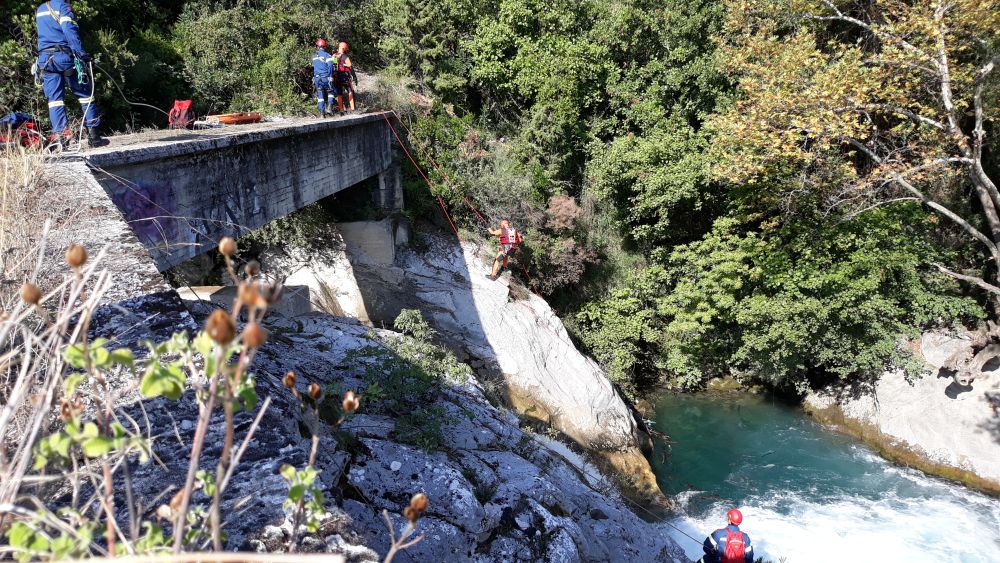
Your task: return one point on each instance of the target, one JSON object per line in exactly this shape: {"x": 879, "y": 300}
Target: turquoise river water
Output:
{"x": 809, "y": 494}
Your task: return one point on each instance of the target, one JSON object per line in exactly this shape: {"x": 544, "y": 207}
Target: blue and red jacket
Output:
{"x": 715, "y": 545}
{"x": 57, "y": 28}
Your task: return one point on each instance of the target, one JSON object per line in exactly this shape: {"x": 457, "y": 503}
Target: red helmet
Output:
{"x": 735, "y": 517}
{"x": 321, "y": 42}
{"x": 342, "y": 46}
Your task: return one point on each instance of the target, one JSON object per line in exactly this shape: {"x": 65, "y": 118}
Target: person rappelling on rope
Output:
{"x": 61, "y": 60}
{"x": 729, "y": 544}
{"x": 509, "y": 240}
{"x": 346, "y": 77}
{"x": 323, "y": 84}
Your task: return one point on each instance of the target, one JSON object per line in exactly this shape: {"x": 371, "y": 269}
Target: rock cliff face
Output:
{"x": 510, "y": 336}
{"x": 933, "y": 423}
{"x": 497, "y": 493}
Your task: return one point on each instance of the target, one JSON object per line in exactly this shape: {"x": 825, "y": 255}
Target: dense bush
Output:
{"x": 792, "y": 305}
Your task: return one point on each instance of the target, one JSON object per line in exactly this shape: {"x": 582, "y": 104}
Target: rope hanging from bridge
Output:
{"x": 448, "y": 182}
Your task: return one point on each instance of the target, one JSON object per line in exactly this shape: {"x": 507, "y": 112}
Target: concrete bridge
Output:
{"x": 182, "y": 191}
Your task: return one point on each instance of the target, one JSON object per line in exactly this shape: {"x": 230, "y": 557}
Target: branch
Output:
{"x": 879, "y": 204}
{"x": 912, "y": 115}
{"x": 896, "y": 177}
{"x": 878, "y": 33}
{"x": 971, "y": 279}
{"x": 987, "y": 69}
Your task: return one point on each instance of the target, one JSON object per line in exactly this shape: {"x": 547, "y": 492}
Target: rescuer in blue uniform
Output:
{"x": 323, "y": 77}
{"x": 58, "y": 44}
{"x": 729, "y": 544}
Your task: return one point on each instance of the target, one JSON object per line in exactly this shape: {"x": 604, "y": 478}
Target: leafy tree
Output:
{"x": 866, "y": 105}
{"x": 423, "y": 40}
{"x": 790, "y": 304}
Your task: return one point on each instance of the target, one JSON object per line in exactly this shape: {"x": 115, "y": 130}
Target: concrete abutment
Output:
{"x": 183, "y": 192}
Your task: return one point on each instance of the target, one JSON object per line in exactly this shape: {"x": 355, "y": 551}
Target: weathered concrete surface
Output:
{"x": 96, "y": 222}
{"x": 184, "y": 193}
{"x": 519, "y": 345}
{"x": 932, "y": 423}
{"x": 138, "y": 301}
{"x": 370, "y": 242}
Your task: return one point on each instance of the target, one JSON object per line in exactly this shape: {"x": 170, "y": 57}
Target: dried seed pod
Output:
{"x": 65, "y": 410}
{"x": 351, "y": 402}
{"x": 254, "y": 335}
{"x": 419, "y": 502}
{"x": 410, "y": 514}
{"x": 164, "y": 512}
{"x": 227, "y": 246}
{"x": 247, "y": 294}
{"x": 31, "y": 294}
{"x": 315, "y": 391}
{"x": 252, "y": 268}
{"x": 175, "y": 502}
{"x": 76, "y": 255}
{"x": 289, "y": 380}
{"x": 221, "y": 327}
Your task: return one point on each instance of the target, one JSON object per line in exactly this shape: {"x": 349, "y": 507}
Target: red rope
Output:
{"x": 448, "y": 180}
{"x": 424, "y": 176}
{"x": 427, "y": 180}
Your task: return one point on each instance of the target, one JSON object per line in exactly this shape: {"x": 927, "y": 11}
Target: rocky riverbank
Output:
{"x": 932, "y": 423}
{"x": 497, "y": 492}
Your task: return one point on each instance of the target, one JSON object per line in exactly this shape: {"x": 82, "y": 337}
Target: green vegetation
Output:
{"x": 404, "y": 374}
{"x": 781, "y": 190}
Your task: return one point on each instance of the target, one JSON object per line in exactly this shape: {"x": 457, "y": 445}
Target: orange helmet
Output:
{"x": 735, "y": 517}
{"x": 321, "y": 42}
{"x": 342, "y": 46}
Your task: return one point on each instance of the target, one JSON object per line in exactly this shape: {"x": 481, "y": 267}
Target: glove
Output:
{"x": 85, "y": 57}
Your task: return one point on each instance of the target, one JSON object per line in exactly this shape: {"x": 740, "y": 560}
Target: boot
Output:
{"x": 94, "y": 138}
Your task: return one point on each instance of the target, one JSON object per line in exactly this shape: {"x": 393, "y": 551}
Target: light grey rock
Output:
{"x": 519, "y": 346}
{"x": 932, "y": 417}
{"x": 486, "y": 468}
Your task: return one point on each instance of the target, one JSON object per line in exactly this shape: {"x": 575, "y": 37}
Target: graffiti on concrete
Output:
{"x": 150, "y": 208}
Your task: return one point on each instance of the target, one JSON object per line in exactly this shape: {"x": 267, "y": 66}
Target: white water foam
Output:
{"x": 962, "y": 528}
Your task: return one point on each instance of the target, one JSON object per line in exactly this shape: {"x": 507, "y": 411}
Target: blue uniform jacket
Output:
{"x": 322, "y": 64}
{"x": 715, "y": 545}
{"x": 57, "y": 27}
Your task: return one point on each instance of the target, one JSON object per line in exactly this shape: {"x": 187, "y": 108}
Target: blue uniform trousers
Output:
{"x": 326, "y": 92}
{"x": 57, "y": 73}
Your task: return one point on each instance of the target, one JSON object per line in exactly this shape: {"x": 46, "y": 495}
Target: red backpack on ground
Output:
{"x": 181, "y": 116}
{"x": 735, "y": 547}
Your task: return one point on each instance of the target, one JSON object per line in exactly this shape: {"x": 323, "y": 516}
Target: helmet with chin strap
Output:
{"x": 735, "y": 517}
{"x": 321, "y": 42}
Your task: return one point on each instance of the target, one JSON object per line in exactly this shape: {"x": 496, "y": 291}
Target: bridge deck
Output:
{"x": 151, "y": 145}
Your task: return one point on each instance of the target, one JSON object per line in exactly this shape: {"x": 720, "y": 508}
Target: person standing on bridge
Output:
{"x": 61, "y": 60}
{"x": 346, "y": 77}
{"x": 323, "y": 78}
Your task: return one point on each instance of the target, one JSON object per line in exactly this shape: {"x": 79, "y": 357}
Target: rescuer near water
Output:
{"x": 729, "y": 544}
{"x": 61, "y": 60}
{"x": 346, "y": 77}
{"x": 323, "y": 69}
{"x": 509, "y": 240}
